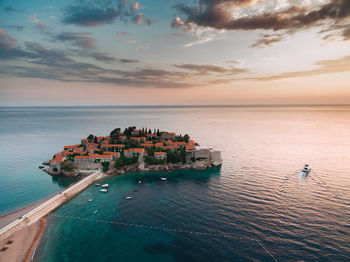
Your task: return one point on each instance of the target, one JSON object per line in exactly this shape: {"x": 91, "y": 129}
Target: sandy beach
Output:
{"x": 19, "y": 246}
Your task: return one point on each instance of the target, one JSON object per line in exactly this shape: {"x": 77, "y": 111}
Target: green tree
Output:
{"x": 90, "y": 138}
{"x": 105, "y": 166}
{"x": 186, "y": 138}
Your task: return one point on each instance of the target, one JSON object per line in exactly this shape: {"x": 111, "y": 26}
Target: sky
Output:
{"x": 174, "y": 52}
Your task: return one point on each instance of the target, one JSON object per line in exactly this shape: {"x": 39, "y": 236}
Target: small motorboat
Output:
{"x": 95, "y": 211}
{"x": 163, "y": 178}
{"x": 306, "y": 170}
{"x": 139, "y": 181}
{"x": 105, "y": 186}
{"x": 90, "y": 200}
{"x": 128, "y": 197}
{"x": 97, "y": 184}
{"x": 41, "y": 167}
{"x": 104, "y": 190}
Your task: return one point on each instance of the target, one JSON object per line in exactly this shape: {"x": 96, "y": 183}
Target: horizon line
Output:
{"x": 175, "y": 106}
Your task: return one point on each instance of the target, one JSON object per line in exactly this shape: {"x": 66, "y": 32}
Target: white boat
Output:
{"x": 128, "y": 197}
{"x": 163, "y": 178}
{"x": 95, "y": 211}
{"x": 97, "y": 184}
{"x": 104, "y": 190}
{"x": 139, "y": 181}
{"x": 306, "y": 170}
{"x": 105, "y": 186}
{"x": 90, "y": 200}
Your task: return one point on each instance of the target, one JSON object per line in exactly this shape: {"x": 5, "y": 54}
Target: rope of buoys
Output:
{"x": 231, "y": 236}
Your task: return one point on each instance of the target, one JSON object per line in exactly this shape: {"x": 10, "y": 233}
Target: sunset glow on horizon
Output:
{"x": 206, "y": 52}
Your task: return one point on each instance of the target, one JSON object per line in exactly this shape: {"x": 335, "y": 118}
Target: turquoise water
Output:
{"x": 255, "y": 207}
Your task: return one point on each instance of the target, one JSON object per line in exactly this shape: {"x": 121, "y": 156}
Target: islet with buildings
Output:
{"x": 132, "y": 150}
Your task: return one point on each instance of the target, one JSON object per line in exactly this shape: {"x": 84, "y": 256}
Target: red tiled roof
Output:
{"x": 113, "y": 145}
{"x": 179, "y": 143}
{"x": 111, "y": 153}
{"x": 70, "y": 147}
{"x": 57, "y": 159}
{"x": 159, "y": 153}
{"x": 137, "y": 150}
{"x": 189, "y": 147}
{"x": 91, "y": 144}
{"x": 81, "y": 157}
{"x": 146, "y": 145}
{"x": 170, "y": 147}
{"x": 159, "y": 144}
{"x": 99, "y": 156}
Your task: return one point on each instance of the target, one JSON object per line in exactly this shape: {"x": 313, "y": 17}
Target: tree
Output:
{"x": 95, "y": 139}
{"x": 116, "y": 131}
{"x": 186, "y": 138}
{"x": 90, "y": 137}
{"x": 105, "y": 166}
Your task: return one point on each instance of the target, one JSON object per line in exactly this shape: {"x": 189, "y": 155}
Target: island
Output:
{"x": 130, "y": 151}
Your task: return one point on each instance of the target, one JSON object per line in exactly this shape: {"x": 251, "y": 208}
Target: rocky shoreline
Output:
{"x": 198, "y": 165}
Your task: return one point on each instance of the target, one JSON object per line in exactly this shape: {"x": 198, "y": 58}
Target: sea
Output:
{"x": 255, "y": 207}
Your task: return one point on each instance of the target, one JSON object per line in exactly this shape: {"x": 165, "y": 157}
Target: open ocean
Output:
{"x": 256, "y": 207}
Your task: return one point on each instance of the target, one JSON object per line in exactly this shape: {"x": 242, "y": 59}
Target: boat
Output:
{"x": 97, "y": 184}
{"x": 95, "y": 211}
{"x": 306, "y": 170}
{"x": 41, "y": 167}
{"x": 128, "y": 197}
{"x": 90, "y": 200}
{"x": 105, "y": 186}
{"x": 104, "y": 190}
{"x": 163, "y": 178}
{"x": 139, "y": 181}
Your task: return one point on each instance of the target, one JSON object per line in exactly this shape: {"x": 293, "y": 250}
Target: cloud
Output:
{"x": 338, "y": 31}
{"x": 9, "y": 49}
{"x": 97, "y": 13}
{"x": 47, "y": 63}
{"x": 38, "y": 24}
{"x": 122, "y": 34}
{"x": 14, "y": 27}
{"x": 11, "y": 9}
{"x": 340, "y": 65}
{"x": 83, "y": 40}
{"x": 234, "y": 61}
{"x": 235, "y": 15}
{"x": 268, "y": 40}
{"x": 7, "y": 42}
{"x": 209, "y": 69}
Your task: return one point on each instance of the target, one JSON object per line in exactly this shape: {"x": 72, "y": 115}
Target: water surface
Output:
{"x": 256, "y": 195}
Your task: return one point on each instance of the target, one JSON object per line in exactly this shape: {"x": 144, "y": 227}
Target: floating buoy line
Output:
{"x": 168, "y": 229}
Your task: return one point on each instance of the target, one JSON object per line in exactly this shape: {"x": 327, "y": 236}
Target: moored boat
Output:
{"x": 306, "y": 170}
{"x": 105, "y": 186}
{"x": 104, "y": 190}
{"x": 163, "y": 178}
{"x": 128, "y": 197}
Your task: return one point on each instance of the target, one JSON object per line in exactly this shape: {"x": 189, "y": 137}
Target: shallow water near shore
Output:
{"x": 255, "y": 207}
